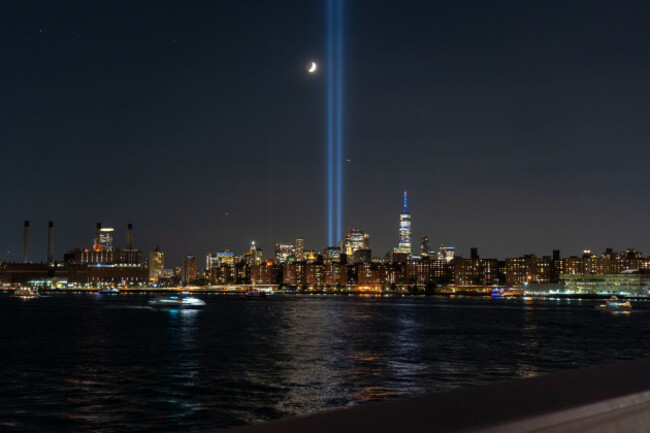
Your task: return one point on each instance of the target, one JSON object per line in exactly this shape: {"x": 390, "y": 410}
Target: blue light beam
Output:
{"x": 335, "y": 36}
{"x": 339, "y": 122}
{"x": 330, "y": 122}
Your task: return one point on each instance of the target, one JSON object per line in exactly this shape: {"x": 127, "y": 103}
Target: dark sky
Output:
{"x": 516, "y": 126}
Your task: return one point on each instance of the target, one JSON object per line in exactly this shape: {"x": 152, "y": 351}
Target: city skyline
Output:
{"x": 371, "y": 215}
{"x": 515, "y": 128}
{"x": 355, "y": 240}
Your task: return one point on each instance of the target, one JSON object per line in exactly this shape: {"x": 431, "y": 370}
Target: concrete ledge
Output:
{"x": 607, "y": 398}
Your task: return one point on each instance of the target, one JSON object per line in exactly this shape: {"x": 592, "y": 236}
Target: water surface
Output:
{"x": 81, "y": 363}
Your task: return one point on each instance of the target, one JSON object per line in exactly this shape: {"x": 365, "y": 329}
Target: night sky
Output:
{"x": 517, "y": 127}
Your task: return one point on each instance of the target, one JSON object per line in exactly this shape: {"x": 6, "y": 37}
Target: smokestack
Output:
{"x": 129, "y": 239}
{"x": 50, "y": 241}
{"x": 25, "y": 241}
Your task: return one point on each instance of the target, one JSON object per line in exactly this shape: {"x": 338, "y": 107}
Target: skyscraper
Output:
{"x": 299, "y": 247}
{"x": 404, "y": 246}
{"x": 357, "y": 246}
{"x": 446, "y": 253}
{"x": 106, "y": 238}
{"x": 284, "y": 251}
{"x": 357, "y": 238}
{"x": 188, "y": 269}
{"x": 332, "y": 254}
{"x": 156, "y": 264}
{"x": 424, "y": 247}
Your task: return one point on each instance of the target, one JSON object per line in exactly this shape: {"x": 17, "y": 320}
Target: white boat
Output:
{"x": 615, "y": 304}
{"x": 26, "y": 293}
{"x": 108, "y": 291}
{"x": 177, "y": 301}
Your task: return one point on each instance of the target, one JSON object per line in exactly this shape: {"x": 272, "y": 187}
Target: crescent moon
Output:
{"x": 312, "y": 68}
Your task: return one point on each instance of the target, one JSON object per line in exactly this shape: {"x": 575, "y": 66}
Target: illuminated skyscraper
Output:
{"x": 156, "y": 264}
{"x": 357, "y": 239}
{"x": 254, "y": 256}
{"x": 106, "y": 238}
{"x": 220, "y": 258}
{"x": 404, "y": 245}
{"x": 284, "y": 252}
{"x": 357, "y": 246}
{"x": 299, "y": 248}
{"x": 446, "y": 253}
{"x": 332, "y": 254}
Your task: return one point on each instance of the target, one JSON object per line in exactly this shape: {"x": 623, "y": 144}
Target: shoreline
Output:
{"x": 352, "y": 293}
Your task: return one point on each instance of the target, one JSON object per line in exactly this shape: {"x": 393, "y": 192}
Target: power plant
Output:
{"x": 98, "y": 264}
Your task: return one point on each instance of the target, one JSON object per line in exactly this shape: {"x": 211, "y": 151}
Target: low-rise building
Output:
{"x": 626, "y": 283}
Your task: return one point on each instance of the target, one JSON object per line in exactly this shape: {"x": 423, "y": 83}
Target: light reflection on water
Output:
{"x": 76, "y": 363}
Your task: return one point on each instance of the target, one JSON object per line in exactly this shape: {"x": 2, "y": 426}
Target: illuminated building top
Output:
{"x": 404, "y": 245}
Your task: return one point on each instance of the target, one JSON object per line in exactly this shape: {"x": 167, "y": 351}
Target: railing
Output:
{"x": 609, "y": 398}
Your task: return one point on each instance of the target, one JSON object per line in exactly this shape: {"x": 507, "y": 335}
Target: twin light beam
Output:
{"x": 334, "y": 120}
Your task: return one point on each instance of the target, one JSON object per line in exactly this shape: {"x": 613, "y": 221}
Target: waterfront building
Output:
{"x": 572, "y": 265}
{"x": 294, "y": 273}
{"x": 65, "y": 274}
{"x": 368, "y": 274}
{"x": 266, "y": 273}
{"x": 117, "y": 274}
{"x": 336, "y": 274}
{"x": 315, "y": 273}
{"x": 626, "y": 283}
{"x": 556, "y": 267}
{"x": 188, "y": 269}
{"x": 103, "y": 252}
{"x": 156, "y": 264}
{"x": 431, "y": 270}
{"x": 474, "y": 271}
{"x": 403, "y": 250}
{"x": 528, "y": 269}
{"x": 109, "y": 265}
{"x": 411, "y": 268}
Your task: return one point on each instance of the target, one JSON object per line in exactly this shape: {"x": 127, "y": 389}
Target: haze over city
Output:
{"x": 515, "y": 128}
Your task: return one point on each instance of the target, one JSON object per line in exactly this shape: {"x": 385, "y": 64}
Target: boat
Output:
{"x": 108, "y": 291}
{"x": 26, "y": 293}
{"x": 182, "y": 300}
{"x": 255, "y": 293}
{"x": 499, "y": 293}
{"x": 616, "y": 304}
